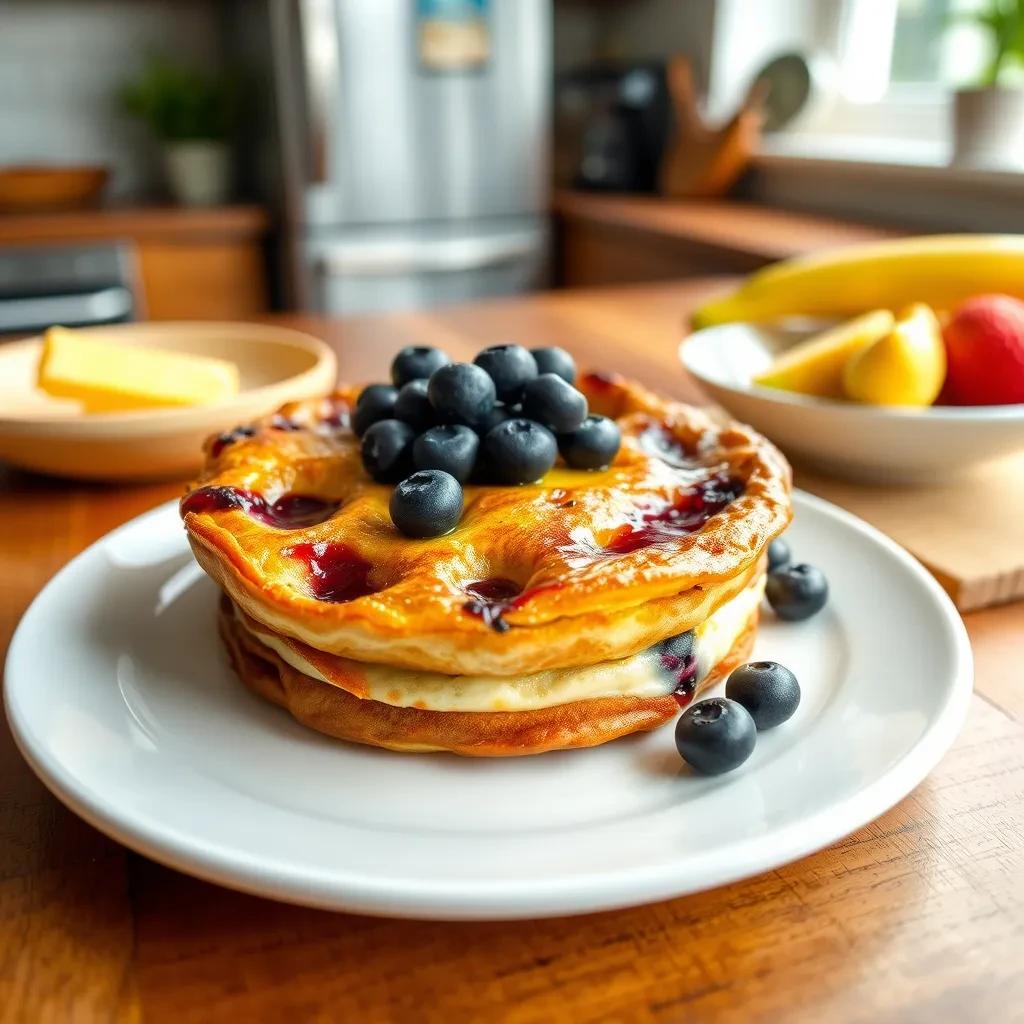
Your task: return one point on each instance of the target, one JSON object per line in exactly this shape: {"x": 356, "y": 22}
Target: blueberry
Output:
{"x": 416, "y": 362}
{"x": 427, "y": 504}
{"x": 557, "y": 361}
{"x": 375, "y": 403}
{"x": 554, "y": 404}
{"x": 462, "y": 393}
{"x": 796, "y": 592}
{"x": 768, "y": 690}
{"x": 387, "y": 450}
{"x": 510, "y": 367}
{"x": 714, "y": 736}
{"x": 778, "y": 554}
{"x": 498, "y": 414}
{"x": 413, "y": 406}
{"x": 221, "y": 441}
{"x": 593, "y": 445}
{"x": 519, "y": 451}
{"x": 452, "y": 448}
{"x": 681, "y": 646}
{"x": 677, "y": 658}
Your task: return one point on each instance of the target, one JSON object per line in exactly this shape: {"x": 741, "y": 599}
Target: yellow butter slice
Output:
{"x": 106, "y": 376}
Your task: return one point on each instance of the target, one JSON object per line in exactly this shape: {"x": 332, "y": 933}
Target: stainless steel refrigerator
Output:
{"x": 406, "y": 144}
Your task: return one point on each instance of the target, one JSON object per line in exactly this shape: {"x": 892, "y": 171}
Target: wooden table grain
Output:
{"x": 917, "y": 917}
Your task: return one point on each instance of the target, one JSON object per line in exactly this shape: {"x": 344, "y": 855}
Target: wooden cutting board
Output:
{"x": 968, "y": 532}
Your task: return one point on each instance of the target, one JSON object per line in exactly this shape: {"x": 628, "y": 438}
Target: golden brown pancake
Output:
{"x": 581, "y": 568}
{"x": 336, "y": 712}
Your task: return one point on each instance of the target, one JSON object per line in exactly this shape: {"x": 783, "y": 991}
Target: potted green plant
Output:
{"x": 191, "y": 112}
{"x": 988, "y": 118}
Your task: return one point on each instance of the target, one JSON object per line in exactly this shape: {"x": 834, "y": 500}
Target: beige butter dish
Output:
{"x": 54, "y": 435}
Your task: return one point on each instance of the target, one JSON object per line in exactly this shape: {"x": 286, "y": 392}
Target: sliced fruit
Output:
{"x": 906, "y": 367}
{"x": 107, "y": 376}
{"x": 985, "y": 350}
{"x": 815, "y": 366}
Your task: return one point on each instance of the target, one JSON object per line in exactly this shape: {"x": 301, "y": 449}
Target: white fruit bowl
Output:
{"x": 864, "y": 442}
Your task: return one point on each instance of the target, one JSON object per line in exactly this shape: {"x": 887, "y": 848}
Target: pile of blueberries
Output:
{"x": 502, "y": 419}
{"x": 718, "y": 734}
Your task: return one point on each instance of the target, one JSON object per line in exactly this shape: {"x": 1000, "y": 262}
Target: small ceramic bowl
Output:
{"x": 864, "y": 442}
{"x": 33, "y": 188}
{"x": 48, "y": 435}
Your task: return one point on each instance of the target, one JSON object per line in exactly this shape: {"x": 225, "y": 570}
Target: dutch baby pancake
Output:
{"x": 562, "y": 612}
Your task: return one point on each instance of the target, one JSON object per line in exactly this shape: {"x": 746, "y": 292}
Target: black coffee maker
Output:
{"x": 611, "y": 125}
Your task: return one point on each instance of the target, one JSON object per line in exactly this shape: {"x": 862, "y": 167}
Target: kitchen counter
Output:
{"x": 189, "y": 263}
{"x": 606, "y": 238}
{"x": 919, "y": 915}
{"x": 164, "y": 223}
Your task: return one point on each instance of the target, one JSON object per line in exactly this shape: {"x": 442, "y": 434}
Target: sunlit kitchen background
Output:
{"x": 215, "y": 160}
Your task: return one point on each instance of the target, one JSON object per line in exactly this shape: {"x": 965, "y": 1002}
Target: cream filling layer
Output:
{"x": 640, "y": 675}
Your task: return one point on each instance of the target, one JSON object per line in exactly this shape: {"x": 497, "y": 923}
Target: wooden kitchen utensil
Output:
{"x": 702, "y": 162}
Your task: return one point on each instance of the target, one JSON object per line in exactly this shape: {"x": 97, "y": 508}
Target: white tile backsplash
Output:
{"x": 61, "y": 64}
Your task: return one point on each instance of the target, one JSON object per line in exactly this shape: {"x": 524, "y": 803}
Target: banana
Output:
{"x": 940, "y": 270}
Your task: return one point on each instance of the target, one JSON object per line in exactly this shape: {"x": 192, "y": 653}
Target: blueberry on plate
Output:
{"x": 426, "y": 504}
{"x": 554, "y": 404}
{"x": 778, "y": 554}
{"x": 498, "y": 414}
{"x": 461, "y": 393}
{"x": 375, "y": 403}
{"x": 413, "y": 406}
{"x": 796, "y": 592}
{"x": 451, "y": 447}
{"x": 518, "y": 451}
{"x": 387, "y": 450}
{"x": 510, "y": 367}
{"x": 416, "y": 362}
{"x": 557, "y": 361}
{"x": 593, "y": 445}
{"x": 714, "y": 736}
{"x": 768, "y": 690}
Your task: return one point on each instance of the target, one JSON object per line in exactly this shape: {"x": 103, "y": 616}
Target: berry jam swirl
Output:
{"x": 289, "y": 512}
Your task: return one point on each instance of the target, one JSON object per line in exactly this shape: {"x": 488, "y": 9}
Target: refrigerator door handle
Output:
{"x": 425, "y": 256}
{"x": 319, "y": 35}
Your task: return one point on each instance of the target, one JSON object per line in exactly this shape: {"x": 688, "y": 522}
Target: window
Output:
{"x": 884, "y": 70}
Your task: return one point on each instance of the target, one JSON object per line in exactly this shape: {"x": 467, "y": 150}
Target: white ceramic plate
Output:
{"x": 844, "y": 438}
{"x": 122, "y": 700}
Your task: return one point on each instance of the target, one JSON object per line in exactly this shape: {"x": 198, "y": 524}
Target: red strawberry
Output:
{"x": 985, "y": 352}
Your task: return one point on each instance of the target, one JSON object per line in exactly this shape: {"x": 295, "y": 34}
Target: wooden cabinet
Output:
{"x": 190, "y": 264}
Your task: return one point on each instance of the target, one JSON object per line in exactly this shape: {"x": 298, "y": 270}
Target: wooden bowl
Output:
{"x": 50, "y": 435}
{"x": 30, "y": 188}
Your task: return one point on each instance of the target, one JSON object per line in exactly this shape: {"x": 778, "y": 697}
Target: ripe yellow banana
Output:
{"x": 940, "y": 270}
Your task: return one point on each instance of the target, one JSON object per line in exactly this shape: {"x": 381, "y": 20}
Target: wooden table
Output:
{"x": 919, "y": 916}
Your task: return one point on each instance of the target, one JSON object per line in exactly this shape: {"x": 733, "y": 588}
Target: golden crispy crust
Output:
{"x": 336, "y": 712}
{"x": 586, "y": 597}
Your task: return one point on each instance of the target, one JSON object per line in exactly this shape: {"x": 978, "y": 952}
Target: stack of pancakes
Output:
{"x": 561, "y": 614}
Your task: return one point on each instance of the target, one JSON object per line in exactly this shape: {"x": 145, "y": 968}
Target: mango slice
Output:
{"x": 906, "y": 367}
{"x": 815, "y": 366}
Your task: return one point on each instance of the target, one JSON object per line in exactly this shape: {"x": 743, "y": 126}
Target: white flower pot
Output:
{"x": 198, "y": 172}
{"x": 988, "y": 127}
